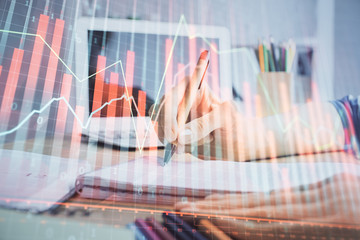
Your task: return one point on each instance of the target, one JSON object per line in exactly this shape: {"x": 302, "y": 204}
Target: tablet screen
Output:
{"x": 150, "y": 64}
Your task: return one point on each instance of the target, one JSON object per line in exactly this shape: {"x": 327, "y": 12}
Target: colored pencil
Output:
{"x": 138, "y": 234}
{"x": 191, "y": 231}
{"x": 146, "y": 229}
{"x": 261, "y": 57}
{"x": 213, "y": 232}
{"x": 273, "y": 55}
{"x": 266, "y": 60}
{"x": 272, "y": 65}
{"x": 177, "y": 231}
{"x": 283, "y": 59}
{"x": 159, "y": 229}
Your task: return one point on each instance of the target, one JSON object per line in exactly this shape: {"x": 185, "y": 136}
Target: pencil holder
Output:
{"x": 274, "y": 93}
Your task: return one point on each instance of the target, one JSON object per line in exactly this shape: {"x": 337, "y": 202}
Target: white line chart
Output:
{"x": 182, "y": 23}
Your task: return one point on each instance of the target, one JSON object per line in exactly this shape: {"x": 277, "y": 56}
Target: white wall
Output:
{"x": 347, "y": 48}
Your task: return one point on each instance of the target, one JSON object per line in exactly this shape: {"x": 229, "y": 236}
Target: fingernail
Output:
{"x": 184, "y": 134}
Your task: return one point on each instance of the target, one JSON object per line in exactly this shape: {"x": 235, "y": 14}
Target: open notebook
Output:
{"x": 198, "y": 179}
{"x": 37, "y": 182}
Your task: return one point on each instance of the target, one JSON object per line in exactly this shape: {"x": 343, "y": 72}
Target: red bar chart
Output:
{"x": 129, "y": 78}
{"x": 63, "y": 107}
{"x": 53, "y": 60}
{"x": 37, "y": 54}
{"x": 112, "y": 94}
{"x": 12, "y": 81}
{"x": 113, "y": 91}
{"x": 99, "y": 85}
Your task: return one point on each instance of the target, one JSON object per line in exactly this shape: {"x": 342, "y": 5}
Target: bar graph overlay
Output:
{"x": 114, "y": 90}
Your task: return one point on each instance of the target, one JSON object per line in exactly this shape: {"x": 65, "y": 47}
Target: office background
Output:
{"x": 329, "y": 27}
{"x": 333, "y": 23}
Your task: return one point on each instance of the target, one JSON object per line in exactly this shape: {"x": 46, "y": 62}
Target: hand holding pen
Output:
{"x": 174, "y": 108}
{"x": 190, "y": 94}
{"x": 190, "y": 115}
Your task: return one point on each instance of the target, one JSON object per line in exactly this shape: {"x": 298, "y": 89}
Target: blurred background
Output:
{"x": 325, "y": 32}
{"x": 51, "y": 98}
{"x": 330, "y": 26}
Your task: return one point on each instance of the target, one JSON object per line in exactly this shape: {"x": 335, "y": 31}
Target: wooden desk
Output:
{"x": 118, "y": 214}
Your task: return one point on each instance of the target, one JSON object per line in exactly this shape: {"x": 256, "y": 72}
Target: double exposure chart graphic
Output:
{"x": 41, "y": 41}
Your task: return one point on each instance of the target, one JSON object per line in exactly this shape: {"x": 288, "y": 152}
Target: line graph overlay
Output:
{"x": 83, "y": 124}
{"x": 104, "y": 207}
{"x": 182, "y": 23}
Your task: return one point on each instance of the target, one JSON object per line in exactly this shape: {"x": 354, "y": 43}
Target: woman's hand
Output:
{"x": 333, "y": 201}
{"x": 214, "y": 129}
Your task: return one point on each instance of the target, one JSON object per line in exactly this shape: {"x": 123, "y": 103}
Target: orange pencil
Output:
{"x": 261, "y": 57}
{"x": 212, "y": 231}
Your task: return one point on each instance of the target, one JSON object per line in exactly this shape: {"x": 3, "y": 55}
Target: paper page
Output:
{"x": 206, "y": 175}
{"x": 36, "y": 182}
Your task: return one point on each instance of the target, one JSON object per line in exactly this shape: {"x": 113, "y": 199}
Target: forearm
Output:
{"x": 308, "y": 128}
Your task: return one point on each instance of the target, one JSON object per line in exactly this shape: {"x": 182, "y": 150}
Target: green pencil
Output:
{"x": 271, "y": 60}
{"x": 266, "y": 60}
{"x": 280, "y": 59}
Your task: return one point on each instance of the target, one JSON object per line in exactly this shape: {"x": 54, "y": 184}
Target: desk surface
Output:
{"x": 111, "y": 212}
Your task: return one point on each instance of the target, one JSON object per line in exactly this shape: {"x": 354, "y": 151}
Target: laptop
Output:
{"x": 124, "y": 66}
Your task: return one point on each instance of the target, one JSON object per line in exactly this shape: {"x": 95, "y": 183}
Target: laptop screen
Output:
{"x": 140, "y": 60}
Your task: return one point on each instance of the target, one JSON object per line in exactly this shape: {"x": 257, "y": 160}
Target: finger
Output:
{"x": 154, "y": 113}
{"x": 201, "y": 149}
{"x": 308, "y": 211}
{"x": 287, "y": 211}
{"x": 206, "y": 101}
{"x": 151, "y": 110}
{"x": 278, "y": 198}
{"x": 207, "y": 139}
{"x": 192, "y": 92}
{"x": 232, "y": 201}
{"x": 201, "y": 127}
{"x": 277, "y": 212}
{"x": 189, "y": 148}
{"x": 155, "y": 109}
{"x": 212, "y": 97}
{"x": 240, "y": 229}
{"x": 168, "y": 110}
{"x": 172, "y": 100}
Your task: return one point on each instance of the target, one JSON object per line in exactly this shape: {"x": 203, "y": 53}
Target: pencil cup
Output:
{"x": 274, "y": 93}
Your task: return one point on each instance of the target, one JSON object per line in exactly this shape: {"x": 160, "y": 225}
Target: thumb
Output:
{"x": 201, "y": 127}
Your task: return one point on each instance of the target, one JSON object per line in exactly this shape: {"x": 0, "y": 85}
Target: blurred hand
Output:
{"x": 214, "y": 129}
{"x": 333, "y": 201}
